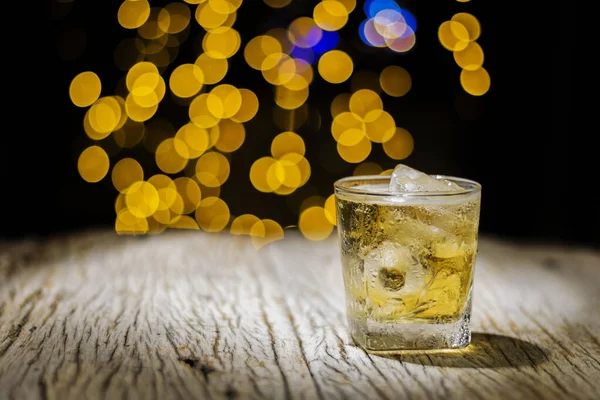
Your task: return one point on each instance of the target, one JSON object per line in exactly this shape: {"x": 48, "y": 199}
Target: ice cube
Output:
{"x": 406, "y": 179}
{"x": 392, "y": 272}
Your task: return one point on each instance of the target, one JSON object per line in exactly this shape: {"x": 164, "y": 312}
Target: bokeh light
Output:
{"x": 133, "y": 13}
{"x": 179, "y": 17}
{"x": 168, "y": 158}
{"x": 330, "y": 15}
{"x": 367, "y": 168}
{"x": 314, "y": 224}
{"x": 248, "y": 107}
{"x": 243, "y": 224}
{"x": 200, "y": 114}
{"x": 265, "y": 231}
{"x": 194, "y": 159}
{"x": 400, "y": 146}
{"x": 459, "y": 35}
{"x": 186, "y": 80}
{"x": 93, "y": 164}
{"x": 142, "y": 199}
{"x": 471, "y": 24}
{"x": 335, "y": 66}
{"x": 212, "y": 169}
{"x": 304, "y": 32}
{"x": 85, "y": 89}
{"x": 213, "y": 69}
{"x": 356, "y": 153}
{"x": 287, "y": 142}
{"x": 471, "y": 58}
{"x": 276, "y": 3}
{"x": 231, "y": 135}
{"x": 191, "y": 141}
{"x": 453, "y": 35}
{"x": 209, "y": 18}
{"x": 128, "y": 224}
{"x": 222, "y": 42}
{"x": 125, "y": 173}
{"x": 212, "y": 214}
{"x": 476, "y": 82}
{"x": 388, "y": 25}
{"x": 395, "y": 81}
{"x": 103, "y": 117}
{"x": 330, "y": 210}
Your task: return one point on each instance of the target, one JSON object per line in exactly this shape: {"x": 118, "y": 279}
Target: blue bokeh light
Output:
{"x": 372, "y": 7}
{"x": 361, "y": 33}
{"x": 410, "y": 19}
{"x": 329, "y": 41}
{"x": 306, "y": 54}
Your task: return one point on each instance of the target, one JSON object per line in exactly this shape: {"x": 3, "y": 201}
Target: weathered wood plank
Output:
{"x": 191, "y": 315}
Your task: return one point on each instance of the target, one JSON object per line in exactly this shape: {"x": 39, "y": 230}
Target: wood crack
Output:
{"x": 302, "y": 349}
{"x": 13, "y": 334}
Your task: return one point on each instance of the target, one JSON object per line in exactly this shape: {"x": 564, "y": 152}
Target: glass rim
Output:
{"x": 338, "y": 185}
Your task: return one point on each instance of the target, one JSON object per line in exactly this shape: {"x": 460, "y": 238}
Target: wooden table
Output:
{"x": 186, "y": 315}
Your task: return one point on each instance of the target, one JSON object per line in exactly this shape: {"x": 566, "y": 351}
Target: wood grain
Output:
{"x": 188, "y": 315}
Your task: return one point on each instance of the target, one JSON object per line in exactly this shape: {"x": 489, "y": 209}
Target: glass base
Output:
{"x": 392, "y": 338}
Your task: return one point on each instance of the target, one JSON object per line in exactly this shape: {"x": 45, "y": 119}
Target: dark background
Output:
{"x": 522, "y": 140}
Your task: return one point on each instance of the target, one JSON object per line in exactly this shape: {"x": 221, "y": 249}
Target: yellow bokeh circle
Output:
{"x": 330, "y": 15}
{"x": 314, "y": 224}
{"x": 348, "y": 128}
{"x": 85, "y": 89}
{"x": 190, "y": 193}
{"x": 330, "y": 210}
{"x": 213, "y": 69}
{"x": 471, "y": 24}
{"x": 290, "y": 99}
{"x": 212, "y": 214}
{"x": 142, "y": 199}
{"x": 126, "y": 172}
{"x": 287, "y": 142}
{"x": 265, "y": 231}
{"x": 242, "y": 225}
{"x": 222, "y": 42}
{"x": 400, "y": 145}
{"x": 192, "y": 141}
{"x": 133, "y": 13}
{"x": 471, "y": 58}
{"x": 105, "y": 116}
{"x": 364, "y": 101}
{"x": 476, "y": 83}
{"x": 262, "y": 52}
{"x": 335, "y": 66}
{"x": 248, "y": 108}
{"x": 186, "y": 80}
{"x": 168, "y": 158}
{"x": 93, "y": 164}
{"x": 453, "y": 35}
{"x": 379, "y": 126}
{"x": 212, "y": 169}
{"x": 231, "y": 136}
{"x": 200, "y": 114}
{"x": 127, "y": 223}
{"x": 395, "y": 81}
{"x": 357, "y": 153}
{"x": 224, "y": 101}
{"x": 258, "y": 174}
